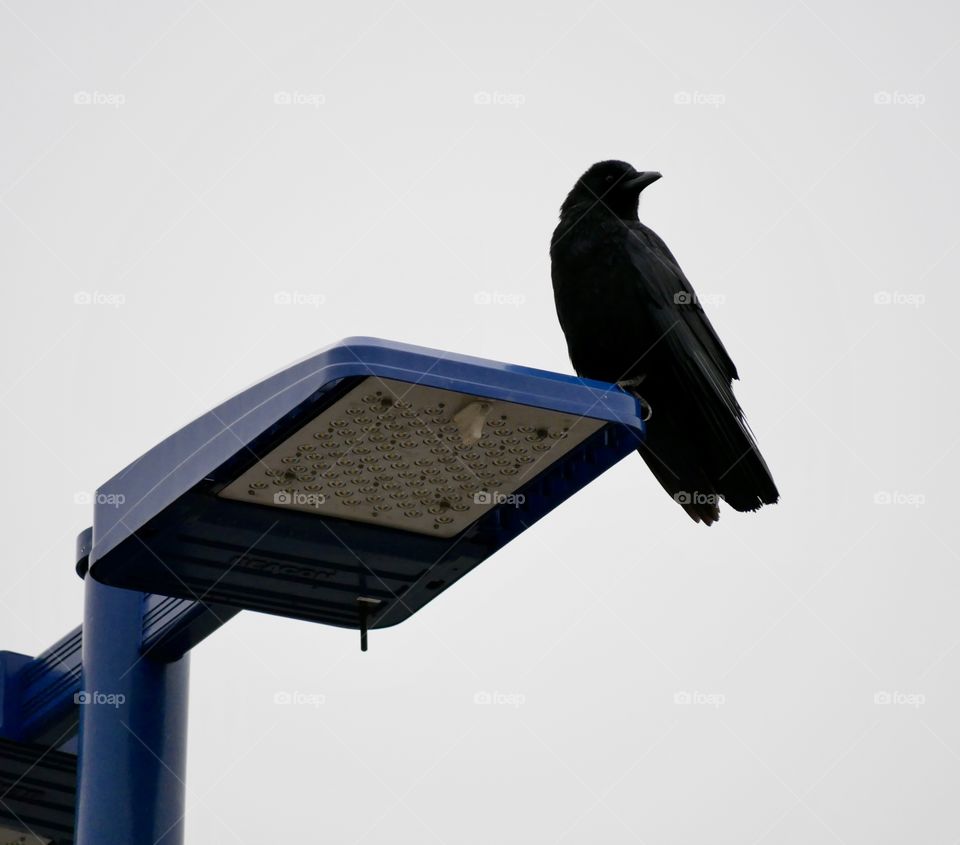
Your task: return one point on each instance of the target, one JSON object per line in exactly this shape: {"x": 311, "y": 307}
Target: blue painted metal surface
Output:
{"x": 38, "y": 694}
{"x": 172, "y": 626}
{"x": 41, "y": 711}
{"x": 174, "y": 535}
{"x": 133, "y": 729}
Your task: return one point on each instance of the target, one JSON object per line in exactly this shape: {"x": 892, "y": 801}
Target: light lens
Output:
{"x": 412, "y": 457}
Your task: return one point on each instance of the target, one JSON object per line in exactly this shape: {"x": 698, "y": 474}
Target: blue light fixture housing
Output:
{"x": 356, "y": 485}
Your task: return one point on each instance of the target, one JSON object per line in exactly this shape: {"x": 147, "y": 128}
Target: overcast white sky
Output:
{"x": 168, "y": 169}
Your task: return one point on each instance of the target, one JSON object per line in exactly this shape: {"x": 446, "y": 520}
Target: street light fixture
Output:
{"x": 354, "y": 487}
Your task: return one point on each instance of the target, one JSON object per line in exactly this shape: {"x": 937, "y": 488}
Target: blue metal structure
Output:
{"x": 39, "y": 695}
{"x": 128, "y": 699}
{"x": 133, "y": 734}
{"x": 170, "y": 558}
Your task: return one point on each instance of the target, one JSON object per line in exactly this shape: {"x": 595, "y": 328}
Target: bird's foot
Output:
{"x": 629, "y": 385}
{"x": 646, "y": 407}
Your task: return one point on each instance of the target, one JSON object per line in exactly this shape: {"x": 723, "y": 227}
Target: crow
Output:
{"x": 631, "y": 317}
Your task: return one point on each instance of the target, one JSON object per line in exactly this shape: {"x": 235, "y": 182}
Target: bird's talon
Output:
{"x": 628, "y": 385}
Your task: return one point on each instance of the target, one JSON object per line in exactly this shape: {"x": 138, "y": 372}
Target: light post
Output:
{"x": 351, "y": 488}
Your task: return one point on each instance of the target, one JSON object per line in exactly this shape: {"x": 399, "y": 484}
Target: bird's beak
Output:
{"x": 642, "y": 179}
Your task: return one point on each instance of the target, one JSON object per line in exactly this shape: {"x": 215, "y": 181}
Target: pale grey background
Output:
{"x": 817, "y": 642}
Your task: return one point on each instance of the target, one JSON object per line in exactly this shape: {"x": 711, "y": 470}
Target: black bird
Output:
{"x": 630, "y": 316}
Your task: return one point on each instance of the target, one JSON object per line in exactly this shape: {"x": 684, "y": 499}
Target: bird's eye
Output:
{"x": 610, "y": 178}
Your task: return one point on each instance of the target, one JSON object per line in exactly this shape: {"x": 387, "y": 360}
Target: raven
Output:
{"x": 631, "y": 317}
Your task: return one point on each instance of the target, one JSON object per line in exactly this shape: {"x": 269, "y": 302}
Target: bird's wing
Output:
{"x": 701, "y": 371}
{"x": 669, "y": 290}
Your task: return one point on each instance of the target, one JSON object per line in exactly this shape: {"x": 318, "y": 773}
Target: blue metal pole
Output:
{"x": 133, "y": 729}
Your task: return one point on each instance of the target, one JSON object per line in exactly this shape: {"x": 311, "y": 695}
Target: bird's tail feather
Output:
{"x": 702, "y": 450}
{"x": 736, "y": 467}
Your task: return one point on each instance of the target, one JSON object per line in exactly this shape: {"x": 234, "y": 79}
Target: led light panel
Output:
{"x": 412, "y": 457}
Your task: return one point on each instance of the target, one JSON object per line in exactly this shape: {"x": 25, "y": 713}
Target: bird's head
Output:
{"x": 613, "y": 186}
